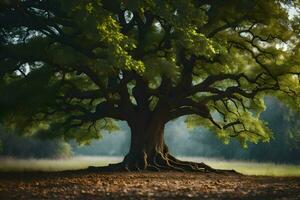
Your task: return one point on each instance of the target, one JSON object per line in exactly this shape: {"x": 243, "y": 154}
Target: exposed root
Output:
{"x": 159, "y": 162}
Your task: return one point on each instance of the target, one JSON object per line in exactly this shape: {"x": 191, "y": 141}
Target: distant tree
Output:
{"x": 17, "y": 146}
{"x": 71, "y": 67}
{"x": 285, "y": 145}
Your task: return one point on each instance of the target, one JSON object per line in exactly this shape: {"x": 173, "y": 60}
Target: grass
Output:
{"x": 80, "y": 162}
{"x": 73, "y": 163}
{"x": 251, "y": 168}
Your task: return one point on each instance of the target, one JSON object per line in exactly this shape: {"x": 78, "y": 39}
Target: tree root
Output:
{"x": 159, "y": 162}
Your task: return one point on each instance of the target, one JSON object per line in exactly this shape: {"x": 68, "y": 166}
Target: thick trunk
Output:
{"x": 148, "y": 150}
{"x": 146, "y": 139}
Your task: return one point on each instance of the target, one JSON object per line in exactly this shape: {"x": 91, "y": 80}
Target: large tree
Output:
{"x": 70, "y": 68}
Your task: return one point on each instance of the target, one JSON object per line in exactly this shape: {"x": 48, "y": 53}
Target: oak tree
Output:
{"x": 72, "y": 68}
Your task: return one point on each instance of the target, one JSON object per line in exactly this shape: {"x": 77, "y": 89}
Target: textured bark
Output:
{"x": 147, "y": 147}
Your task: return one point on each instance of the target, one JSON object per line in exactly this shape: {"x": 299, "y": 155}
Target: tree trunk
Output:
{"x": 148, "y": 150}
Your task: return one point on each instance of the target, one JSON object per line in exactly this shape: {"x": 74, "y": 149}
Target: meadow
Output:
{"x": 81, "y": 162}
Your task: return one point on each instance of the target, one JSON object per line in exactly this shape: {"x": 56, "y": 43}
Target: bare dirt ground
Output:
{"x": 147, "y": 185}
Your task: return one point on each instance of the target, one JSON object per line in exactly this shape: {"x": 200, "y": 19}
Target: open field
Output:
{"x": 81, "y": 162}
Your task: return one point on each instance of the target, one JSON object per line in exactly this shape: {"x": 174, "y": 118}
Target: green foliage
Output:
{"x": 249, "y": 129}
{"x": 68, "y": 68}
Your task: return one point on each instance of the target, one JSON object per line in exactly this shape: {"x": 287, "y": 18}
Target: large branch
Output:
{"x": 231, "y": 91}
{"x": 103, "y": 110}
{"x": 205, "y": 85}
{"x": 125, "y": 103}
{"x": 187, "y": 107}
{"x": 187, "y": 70}
{"x": 227, "y": 25}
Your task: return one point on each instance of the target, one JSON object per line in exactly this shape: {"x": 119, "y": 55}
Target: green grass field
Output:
{"x": 80, "y": 162}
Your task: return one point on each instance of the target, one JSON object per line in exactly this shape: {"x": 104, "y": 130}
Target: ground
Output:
{"x": 146, "y": 185}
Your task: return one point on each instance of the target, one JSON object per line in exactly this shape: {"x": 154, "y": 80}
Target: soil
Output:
{"x": 145, "y": 185}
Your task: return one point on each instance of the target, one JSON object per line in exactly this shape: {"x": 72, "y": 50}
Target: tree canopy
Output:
{"x": 70, "y": 68}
